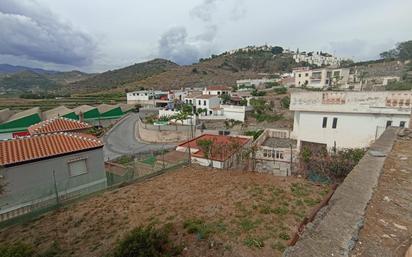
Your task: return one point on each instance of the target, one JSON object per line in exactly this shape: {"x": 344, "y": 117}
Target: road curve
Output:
{"x": 121, "y": 140}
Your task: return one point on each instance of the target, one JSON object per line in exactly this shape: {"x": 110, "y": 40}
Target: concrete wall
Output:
{"x": 352, "y": 130}
{"x": 33, "y": 182}
{"x": 163, "y": 134}
{"x": 336, "y": 227}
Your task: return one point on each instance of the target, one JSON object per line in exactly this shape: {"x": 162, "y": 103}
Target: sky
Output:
{"x": 97, "y": 35}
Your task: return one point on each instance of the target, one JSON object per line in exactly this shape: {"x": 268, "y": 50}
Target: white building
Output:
{"x": 216, "y": 90}
{"x": 321, "y": 78}
{"x": 276, "y": 152}
{"x": 147, "y": 97}
{"x": 317, "y": 58}
{"x": 209, "y": 102}
{"x": 347, "y": 119}
{"x": 249, "y": 84}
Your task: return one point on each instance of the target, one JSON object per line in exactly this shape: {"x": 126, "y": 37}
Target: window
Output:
{"x": 300, "y": 75}
{"x": 204, "y": 102}
{"x": 200, "y": 102}
{"x": 218, "y": 92}
{"x": 77, "y": 167}
{"x": 334, "y": 123}
{"x": 306, "y": 74}
{"x": 402, "y": 124}
{"x": 325, "y": 122}
{"x": 388, "y": 123}
{"x": 210, "y": 112}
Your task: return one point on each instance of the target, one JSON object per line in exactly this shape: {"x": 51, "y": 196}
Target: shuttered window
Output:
{"x": 78, "y": 167}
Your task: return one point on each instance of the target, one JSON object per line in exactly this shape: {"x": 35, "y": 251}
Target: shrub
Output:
{"x": 145, "y": 242}
{"x": 284, "y": 236}
{"x": 254, "y": 242}
{"x": 281, "y": 90}
{"x": 16, "y": 250}
{"x": 285, "y": 102}
{"x": 199, "y": 227}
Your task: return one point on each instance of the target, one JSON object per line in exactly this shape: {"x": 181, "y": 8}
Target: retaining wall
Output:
{"x": 335, "y": 229}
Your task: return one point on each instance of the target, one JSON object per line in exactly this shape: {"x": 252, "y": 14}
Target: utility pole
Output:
{"x": 55, "y": 187}
{"x": 291, "y": 159}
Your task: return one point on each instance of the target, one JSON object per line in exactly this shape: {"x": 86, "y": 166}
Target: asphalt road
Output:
{"x": 121, "y": 140}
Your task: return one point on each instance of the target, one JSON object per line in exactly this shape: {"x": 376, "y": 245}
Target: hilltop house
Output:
{"x": 216, "y": 90}
{"x": 42, "y": 170}
{"x": 347, "y": 119}
{"x": 223, "y": 151}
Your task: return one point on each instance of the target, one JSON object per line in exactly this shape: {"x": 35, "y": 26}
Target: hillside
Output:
{"x": 26, "y": 81}
{"x": 32, "y": 81}
{"x": 224, "y": 69}
{"x": 7, "y": 69}
{"x": 120, "y": 77}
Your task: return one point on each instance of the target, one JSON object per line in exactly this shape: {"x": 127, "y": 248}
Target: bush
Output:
{"x": 399, "y": 86}
{"x": 145, "y": 242}
{"x": 16, "y": 250}
{"x": 285, "y": 102}
{"x": 281, "y": 90}
{"x": 197, "y": 226}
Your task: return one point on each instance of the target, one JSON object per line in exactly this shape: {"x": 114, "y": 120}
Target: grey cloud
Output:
{"x": 238, "y": 11}
{"x": 205, "y": 10}
{"x": 174, "y": 45}
{"x": 32, "y": 31}
{"x": 209, "y": 34}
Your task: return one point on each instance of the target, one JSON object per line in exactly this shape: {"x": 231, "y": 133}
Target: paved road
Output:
{"x": 121, "y": 140}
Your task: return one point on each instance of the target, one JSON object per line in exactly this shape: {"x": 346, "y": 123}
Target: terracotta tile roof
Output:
{"x": 218, "y": 87}
{"x": 37, "y": 147}
{"x": 60, "y": 124}
{"x": 223, "y": 146}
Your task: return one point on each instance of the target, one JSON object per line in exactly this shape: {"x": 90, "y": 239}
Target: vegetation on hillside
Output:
{"x": 402, "y": 51}
{"x": 120, "y": 77}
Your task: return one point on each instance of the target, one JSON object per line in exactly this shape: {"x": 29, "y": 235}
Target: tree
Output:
{"x": 258, "y": 104}
{"x": 403, "y": 51}
{"x": 206, "y": 146}
{"x": 285, "y": 102}
{"x": 277, "y": 50}
{"x": 225, "y": 98}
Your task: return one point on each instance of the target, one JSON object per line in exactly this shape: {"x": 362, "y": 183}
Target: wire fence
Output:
{"x": 25, "y": 204}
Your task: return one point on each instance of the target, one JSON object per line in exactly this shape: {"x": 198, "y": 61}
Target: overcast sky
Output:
{"x": 97, "y": 35}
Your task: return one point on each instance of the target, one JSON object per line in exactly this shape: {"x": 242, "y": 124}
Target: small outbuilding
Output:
{"x": 43, "y": 170}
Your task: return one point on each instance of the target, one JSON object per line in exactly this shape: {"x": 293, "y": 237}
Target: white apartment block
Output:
{"x": 317, "y": 58}
{"x": 144, "y": 97}
{"x": 321, "y": 78}
{"x": 348, "y": 119}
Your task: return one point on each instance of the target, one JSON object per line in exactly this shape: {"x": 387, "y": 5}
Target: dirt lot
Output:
{"x": 244, "y": 214}
{"x": 388, "y": 222}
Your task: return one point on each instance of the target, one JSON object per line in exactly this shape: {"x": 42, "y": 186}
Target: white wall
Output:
{"x": 353, "y": 129}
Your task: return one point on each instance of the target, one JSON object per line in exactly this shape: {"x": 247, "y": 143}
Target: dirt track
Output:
{"x": 245, "y": 207}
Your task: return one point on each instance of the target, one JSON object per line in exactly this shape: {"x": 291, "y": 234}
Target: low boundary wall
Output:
{"x": 335, "y": 229}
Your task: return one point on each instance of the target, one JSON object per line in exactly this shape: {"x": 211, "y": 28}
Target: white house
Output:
{"x": 348, "y": 119}
{"x": 146, "y": 97}
{"x": 209, "y": 102}
{"x": 318, "y": 58}
{"x": 320, "y": 78}
{"x": 216, "y": 90}
{"x": 224, "y": 151}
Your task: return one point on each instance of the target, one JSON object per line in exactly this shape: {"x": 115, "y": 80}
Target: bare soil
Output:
{"x": 245, "y": 214}
{"x": 388, "y": 221}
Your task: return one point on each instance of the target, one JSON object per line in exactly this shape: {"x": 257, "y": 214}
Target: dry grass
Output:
{"x": 213, "y": 213}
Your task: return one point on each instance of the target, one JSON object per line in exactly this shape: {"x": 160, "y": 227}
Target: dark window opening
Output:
{"x": 335, "y": 122}
{"x": 325, "y": 122}
{"x": 388, "y": 123}
{"x": 402, "y": 124}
